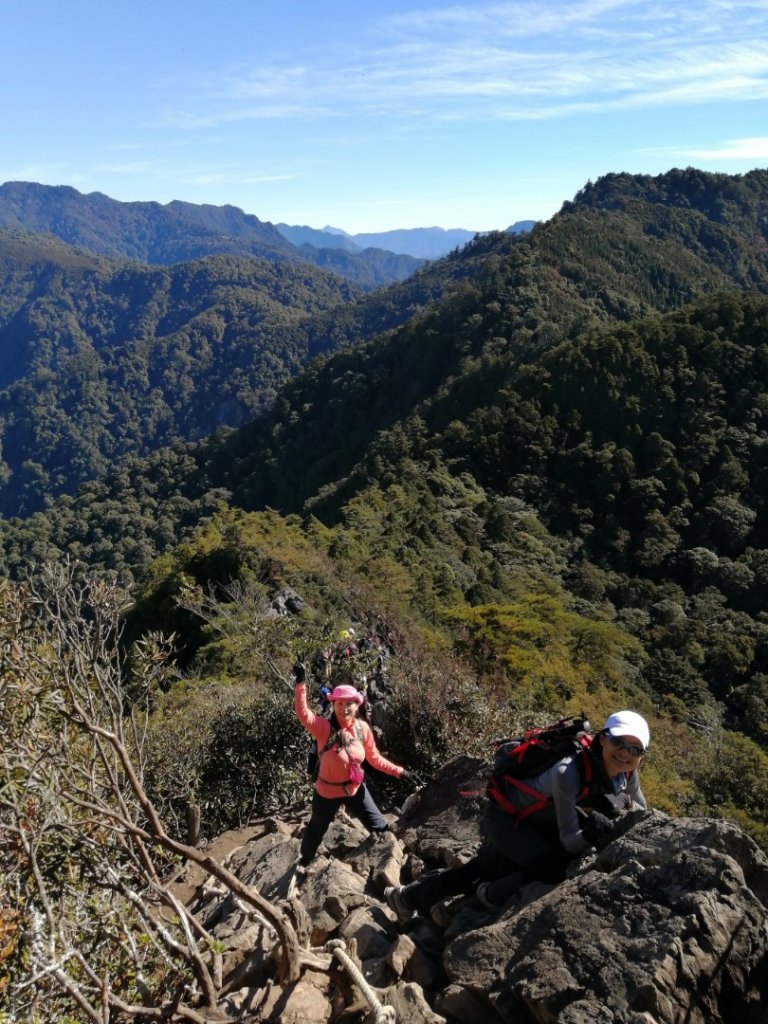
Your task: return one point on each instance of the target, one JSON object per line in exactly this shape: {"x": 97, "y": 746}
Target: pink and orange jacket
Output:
{"x": 333, "y": 778}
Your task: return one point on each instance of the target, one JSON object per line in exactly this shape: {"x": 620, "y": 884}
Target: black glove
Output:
{"x": 613, "y": 804}
{"x": 598, "y": 829}
{"x": 412, "y": 777}
{"x": 299, "y": 673}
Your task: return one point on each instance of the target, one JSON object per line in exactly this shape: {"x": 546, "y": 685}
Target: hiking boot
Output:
{"x": 484, "y": 897}
{"x": 393, "y": 896}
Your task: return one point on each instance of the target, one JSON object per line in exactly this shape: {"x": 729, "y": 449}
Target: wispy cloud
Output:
{"x": 521, "y": 60}
{"x": 753, "y": 148}
{"x": 149, "y": 171}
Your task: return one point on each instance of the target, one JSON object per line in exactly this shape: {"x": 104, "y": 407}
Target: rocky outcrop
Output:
{"x": 667, "y": 925}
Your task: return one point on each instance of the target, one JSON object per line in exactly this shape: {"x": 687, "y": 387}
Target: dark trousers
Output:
{"x": 360, "y": 806}
{"x": 511, "y": 856}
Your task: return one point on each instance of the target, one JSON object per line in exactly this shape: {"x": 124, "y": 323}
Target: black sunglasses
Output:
{"x": 630, "y": 748}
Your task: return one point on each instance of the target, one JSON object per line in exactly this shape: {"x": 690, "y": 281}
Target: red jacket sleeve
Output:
{"x": 374, "y": 758}
{"x": 316, "y": 725}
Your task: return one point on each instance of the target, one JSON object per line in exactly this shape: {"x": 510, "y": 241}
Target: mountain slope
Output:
{"x": 101, "y": 358}
{"x": 497, "y": 303}
{"x": 500, "y": 296}
{"x": 148, "y": 232}
{"x": 177, "y": 232}
{"x": 585, "y": 268}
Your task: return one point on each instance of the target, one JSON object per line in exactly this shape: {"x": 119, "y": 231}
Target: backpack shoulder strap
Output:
{"x": 336, "y": 736}
{"x": 586, "y": 766}
{"x": 333, "y": 736}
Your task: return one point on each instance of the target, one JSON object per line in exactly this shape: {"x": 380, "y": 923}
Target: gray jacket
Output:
{"x": 561, "y": 784}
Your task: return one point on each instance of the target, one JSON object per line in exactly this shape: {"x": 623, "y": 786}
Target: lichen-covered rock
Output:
{"x": 662, "y": 922}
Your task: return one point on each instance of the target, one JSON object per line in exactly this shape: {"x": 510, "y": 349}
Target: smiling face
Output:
{"x": 345, "y": 711}
{"x": 620, "y": 754}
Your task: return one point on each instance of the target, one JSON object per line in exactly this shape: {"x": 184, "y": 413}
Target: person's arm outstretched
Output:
{"x": 315, "y": 725}
{"x": 375, "y": 759}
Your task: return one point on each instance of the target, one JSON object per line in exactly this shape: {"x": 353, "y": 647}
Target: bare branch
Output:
{"x": 79, "y": 822}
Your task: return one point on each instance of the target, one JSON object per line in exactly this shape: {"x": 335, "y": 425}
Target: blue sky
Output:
{"x": 372, "y": 115}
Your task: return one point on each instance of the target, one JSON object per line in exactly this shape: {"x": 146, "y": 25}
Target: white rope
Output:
{"x": 381, "y": 1014}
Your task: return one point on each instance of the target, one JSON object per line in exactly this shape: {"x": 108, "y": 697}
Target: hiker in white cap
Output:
{"x": 537, "y": 825}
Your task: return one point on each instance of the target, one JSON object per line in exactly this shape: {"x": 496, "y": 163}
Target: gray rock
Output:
{"x": 666, "y": 925}
{"x": 661, "y": 922}
{"x": 372, "y": 930}
{"x": 380, "y": 859}
{"x": 444, "y": 823}
{"x": 401, "y": 952}
{"x": 269, "y": 862}
{"x": 410, "y": 1005}
{"x": 459, "y": 1003}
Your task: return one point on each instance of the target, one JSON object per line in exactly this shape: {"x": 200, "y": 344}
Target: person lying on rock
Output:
{"x": 523, "y": 846}
{"x": 344, "y": 741}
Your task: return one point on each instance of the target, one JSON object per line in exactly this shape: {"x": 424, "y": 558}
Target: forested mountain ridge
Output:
{"x": 177, "y": 232}
{"x": 517, "y": 296}
{"x": 584, "y": 269}
{"x": 147, "y": 232}
{"x": 592, "y": 263}
{"x": 553, "y": 443}
{"x": 735, "y": 200}
{"x": 100, "y": 358}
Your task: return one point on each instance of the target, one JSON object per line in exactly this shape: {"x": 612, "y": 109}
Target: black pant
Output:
{"x": 511, "y": 856}
{"x": 324, "y": 809}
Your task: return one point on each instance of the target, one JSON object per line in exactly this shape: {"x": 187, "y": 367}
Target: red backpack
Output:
{"x": 539, "y": 749}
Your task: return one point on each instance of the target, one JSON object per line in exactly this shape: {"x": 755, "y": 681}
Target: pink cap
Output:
{"x": 346, "y": 693}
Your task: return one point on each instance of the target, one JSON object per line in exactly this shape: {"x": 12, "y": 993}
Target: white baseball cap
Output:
{"x": 629, "y": 723}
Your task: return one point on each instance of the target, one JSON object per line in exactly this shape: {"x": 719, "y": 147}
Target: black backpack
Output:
{"x": 539, "y": 749}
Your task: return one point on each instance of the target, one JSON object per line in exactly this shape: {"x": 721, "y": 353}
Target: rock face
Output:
{"x": 667, "y": 925}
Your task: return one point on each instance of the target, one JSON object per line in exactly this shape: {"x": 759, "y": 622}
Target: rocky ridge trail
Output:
{"x": 666, "y": 925}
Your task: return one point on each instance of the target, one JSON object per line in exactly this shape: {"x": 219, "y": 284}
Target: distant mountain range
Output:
{"x": 422, "y": 243}
{"x": 175, "y": 232}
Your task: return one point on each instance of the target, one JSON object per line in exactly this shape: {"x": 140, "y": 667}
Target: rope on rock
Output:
{"x": 381, "y": 1014}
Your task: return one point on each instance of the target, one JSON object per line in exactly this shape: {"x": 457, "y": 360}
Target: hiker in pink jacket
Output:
{"x": 343, "y": 742}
